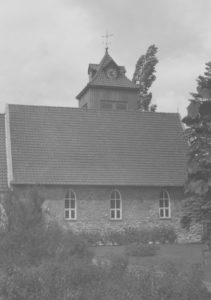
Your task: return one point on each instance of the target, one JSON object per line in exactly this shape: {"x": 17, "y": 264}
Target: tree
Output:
{"x": 197, "y": 207}
{"x": 144, "y": 76}
{"x": 24, "y": 232}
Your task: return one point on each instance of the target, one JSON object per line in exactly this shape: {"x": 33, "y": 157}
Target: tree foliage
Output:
{"x": 144, "y": 76}
{"x": 197, "y": 207}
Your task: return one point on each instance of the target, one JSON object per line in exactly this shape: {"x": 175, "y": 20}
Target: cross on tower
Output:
{"x": 106, "y": 37}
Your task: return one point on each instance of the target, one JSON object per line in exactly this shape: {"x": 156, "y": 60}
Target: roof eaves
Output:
{"x": 9, "y": 157}
{"x": 83, "y": 91}
{"x": 167, "y": 184}
{"x": 3, "y": 166}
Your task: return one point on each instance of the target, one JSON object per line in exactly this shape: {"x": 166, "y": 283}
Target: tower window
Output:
{"x": 106, "y": 105}
{"x": 121, "y": 105}
{"x": 113, "y": 105}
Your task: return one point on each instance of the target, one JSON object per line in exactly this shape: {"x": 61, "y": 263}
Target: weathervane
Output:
{"x": 106, "y": 37}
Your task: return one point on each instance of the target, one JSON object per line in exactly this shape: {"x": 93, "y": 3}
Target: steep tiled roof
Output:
{"x": 55, "y": 145}
{"x": 100, "y": 78}
{"x": 3, "y": 162}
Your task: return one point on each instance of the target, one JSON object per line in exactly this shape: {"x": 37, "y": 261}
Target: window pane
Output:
{"x": 106, "y": 105}
{"x": 161, "y": 203}
{"x": 72, "y": 195}
{"x": 112, "y": 214}
{"x": 166, "y": 203}
{"x": 72, "y": 202}
{"x": 161, "y": 213}
{"x": 166, "y": 212}
{"x": 165, "y": 195}
{"x": 67, "y": 203}
{"x": 72, "y": 214}
{"x": 66, "y": 214}
{"x": 118, "y": 214}
{"x": 112, "y": 203}
{"x": 117, "y": 203}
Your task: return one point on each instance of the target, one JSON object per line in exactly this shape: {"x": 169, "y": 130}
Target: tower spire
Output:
{"x": 106, "y": 41}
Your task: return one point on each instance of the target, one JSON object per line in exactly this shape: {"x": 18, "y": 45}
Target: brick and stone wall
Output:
{"x": 140, "y": 208}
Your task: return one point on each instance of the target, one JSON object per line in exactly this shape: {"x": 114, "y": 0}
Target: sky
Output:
{"x": 46, "y": 46}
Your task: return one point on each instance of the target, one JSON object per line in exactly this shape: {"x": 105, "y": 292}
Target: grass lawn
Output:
{"x": 182, "y": 255}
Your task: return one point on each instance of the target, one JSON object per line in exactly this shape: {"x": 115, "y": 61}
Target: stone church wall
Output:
{"x": 140, "y": 208}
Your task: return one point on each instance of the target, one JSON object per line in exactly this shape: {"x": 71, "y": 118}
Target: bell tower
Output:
{"x": 108, "y": 87}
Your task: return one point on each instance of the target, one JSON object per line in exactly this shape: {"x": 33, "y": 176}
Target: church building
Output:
{"x": 102, "y": 166}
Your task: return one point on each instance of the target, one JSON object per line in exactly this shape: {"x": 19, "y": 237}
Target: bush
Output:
{"x": 128, "y": 235}
{"x": 73, "y": 245}
{"x": 78, "y": 279}
{"x": 93, "y": 238}
{"x": 140, "y": 249}
{"x": 163, "y": 234}
{"x": 21, "y": 283}
{"x": 115, "y": 237}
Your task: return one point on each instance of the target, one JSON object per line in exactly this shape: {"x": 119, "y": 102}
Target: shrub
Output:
{"x": 115, "y": 237}
{"x": 163, "y": 234}
{"x": 123, "y": 237}
{"x": 21, "y": 283}
{"x": 73, "y": 245}
{"x": 141, "y": 249}
{"x": 93, "y": 238}
{"x": 77, "y": 279}
{"x": 118, "y": 263}
{"x": 175, "y": 285}
{"x": 128, "y": 235}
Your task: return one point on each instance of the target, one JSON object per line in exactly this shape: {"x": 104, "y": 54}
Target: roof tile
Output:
{"x": 100, "y": 77}
{"x": 55, "y": 145}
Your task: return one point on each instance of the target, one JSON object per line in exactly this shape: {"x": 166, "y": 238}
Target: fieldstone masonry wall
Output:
{"x": 140, "y": 208}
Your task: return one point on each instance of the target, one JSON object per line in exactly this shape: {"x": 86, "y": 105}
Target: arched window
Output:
{"x": 164, "y": 205}
{"x": 115, "y": 206}
{"x": 70, "y": 207}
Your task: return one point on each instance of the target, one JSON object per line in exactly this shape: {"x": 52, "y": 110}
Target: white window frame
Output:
{"x": 116, "y": 209}
{"x": 69, "y": 197}
{"x": 164, "y": 210}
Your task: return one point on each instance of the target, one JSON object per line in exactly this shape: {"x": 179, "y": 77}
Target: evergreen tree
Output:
{"x": 144, "y": 77}
{"x": 197, "y": 207}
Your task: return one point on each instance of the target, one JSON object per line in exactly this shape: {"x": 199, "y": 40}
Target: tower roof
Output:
{"x": 100, "y": 78}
